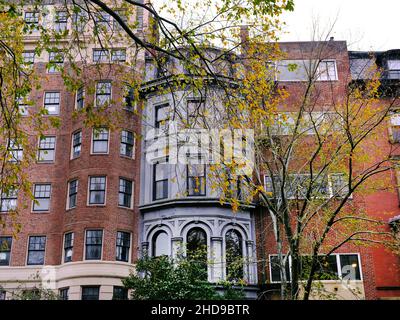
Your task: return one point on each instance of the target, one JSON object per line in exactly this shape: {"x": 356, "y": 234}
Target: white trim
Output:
{"x": 33, "y": 200}
{"x": 59, "y": 103}
{"x": 38, "y": 150}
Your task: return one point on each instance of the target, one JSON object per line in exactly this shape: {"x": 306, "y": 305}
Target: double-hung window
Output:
{"x": 60, "y": 21}
{"x": 72, "y": 193}
{"x": 56, "y": 62}
{"x": 9, "y": 200}
{"x": 196, "y": 179}
{"x": 5, "y": 250}
{"x": 28, "y": 57}
{"x": 68, "y": 246}
{"x": 64, "y": 293}
{"x": 15, "y": 150}
{"x": 52, "y": 102}
{"x": 42, "y": 193}
{"x": 31, "y": 18}
{"x": 79, "y": 21}
{"x": 127, "y": 144}
{"x": 94, "y": 244}
{"x": 118, "y": 55}
{"x": 97, "y": 190}
{"x": 47, "y": 147}
{"x": 90, "y": 292}
{"x": 36, "y": 250}
{"x": 102, "y": 22}
{"x": 160, "y": 181}
{"x": 23, "y": 106}
{"x": 80, "y": 98}
{"x": 101, "y": 55}
{"x": 130, "y": 103}
{"x": 123, "y": 246}
{"x": 76, "y": 144}
{"x": 103, "y": 93}
{"x": 125, "y": 193}
{"x": 100, "y": 140}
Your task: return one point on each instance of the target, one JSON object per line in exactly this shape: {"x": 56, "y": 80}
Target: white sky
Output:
{"x": 365, "y": 24}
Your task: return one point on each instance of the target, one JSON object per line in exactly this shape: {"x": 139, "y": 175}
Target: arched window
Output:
{"x": 196, "y": 245}
{"x": 234, "y": 255}
{"x": 161, "y": 244}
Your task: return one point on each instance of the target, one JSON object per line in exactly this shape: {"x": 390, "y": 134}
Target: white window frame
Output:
{"x": 111, "y": 92}
{"x": 63, "y": 244}
{"x": 33, "y": 201}
{"x": 88, "y": 192}
{"x": 72, "y": 144}
{"x": 54, "y": 150}
{"x": 68, "y": 207}
{"x": 92, "y": 143}
{"x": 59, "y": 104}
{"x": 27, "y": 250}
{"x": 132, "y": 195}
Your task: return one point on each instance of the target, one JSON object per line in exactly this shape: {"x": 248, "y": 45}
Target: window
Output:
{"x": 76, "y": 144}
{"x": 28, "y": 57}
{"x": 102, "y": 22}
{"x": 64, "y": 293}
{"x": 161, "y": 116}
{"x": 60, "y": 22}
{"x": 130, "y": 103}
{"x": 125, "y": 193}
{"x": 120, "y": 293}
{"x": 32, "y": 19}
{"x": 100, "y": 140}
{"x": 72, "y": 193}
{"x": 36, "y": 250}
{"x": 5, "y": 250}
{"x": 42, "y": 197}
{"x": 103, "y": 93}
{"x": 127, "y": 144}
{"x": 80, "y": 98}
{"x": 394, "y": 127}
{"x": 123, "y": 246}
{"x": 79, "y": 20}
{"x": 2, "y": 295}
{"x": 118, "y": 55}
{"x": 293, "y": 70}
{"x": 16, "y": 151}
{"x": 9, "y": 201}
{"x": 90, "y": 293}
{"x": 100, "y": 55}
{"x": 196, "y": 180}
{"x": 68, "y": 246}
{"x": 52, "y": 102}
{"x": 196, "y": 244}
{"x": 123, "y": 15}
{"x": 327, "y": 70}
{"x": 56, "y": 62}
{"x": 94, "y": 242}
{"x": 161, "y": 244}
{"x": 332, "y": 267}
{"x": 97, "y": 190}
{"x": 23, "y": 106}
{"x": 234, "y": 255}
{"x": 274, "y": 266}
{"x": 47, "y": 147}
{"x": 350, "y": 267}
{"x": 160, "y": 181}
{"x": 393, "y": 69}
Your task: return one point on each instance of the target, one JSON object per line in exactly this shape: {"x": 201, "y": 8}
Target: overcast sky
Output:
{"x": 365, "y": 24}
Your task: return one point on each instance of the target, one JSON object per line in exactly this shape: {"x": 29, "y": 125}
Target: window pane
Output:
{"x": 94, "y": 239}
{"x": 234, "y": 255}
{"x": 350, "y": 267}
{"x": 5, "y": 250}
{"x": 90, "y": 293}
{"x": 161, "y": 244}
{"x": 36, "y": 250}
{"x": 275, "y": 269}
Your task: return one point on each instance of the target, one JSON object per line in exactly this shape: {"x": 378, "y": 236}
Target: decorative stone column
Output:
{"x": 216, "y": 271}
{"x": 251, "y": 268}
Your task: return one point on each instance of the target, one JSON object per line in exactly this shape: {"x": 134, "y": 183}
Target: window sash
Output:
{"x": 36, "y": 250}
{"x": 47, "y": 149}
{"x": 72, "y": 193}
{"x": 80, "y": 98}
{"x": 101, "y": 55}
{"x": 68, "y": 246}
{"x": 94, "y": 244}
{"x": 125, "y": 193}
{"x": 60, "y": 21}
{"x": 118, "y": 55}
{"x": 90, "y": 293}
{"x": 9, "y": 201}
{"x": 76, "y": 144}
{"x": 103, "y": 93}
{"x": 127, "y": 143}
{"x": 100, "y": 140}
{"x": 56, "y": 59}
{"x": 52, "y": 102}
{"x": 129, "y": 98}
{"x": 160, "y": 181}
{"x": 42, "y": 195}
{"x": 5, "y": 250}
{"x": 97, "y": 190}
{"x": 196, "y": 180}
{"x": 123, "y": 246}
